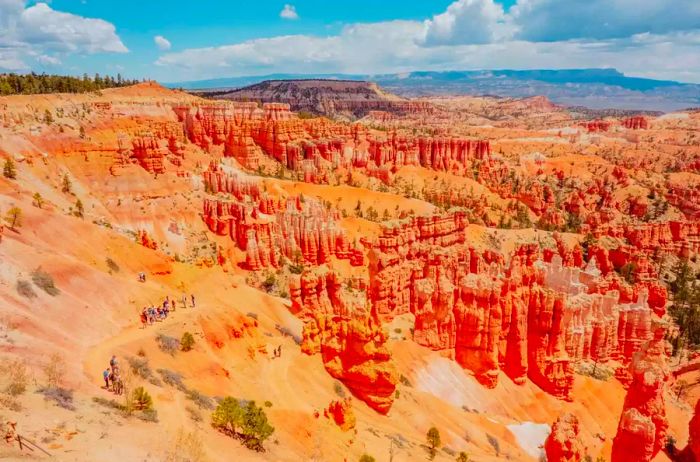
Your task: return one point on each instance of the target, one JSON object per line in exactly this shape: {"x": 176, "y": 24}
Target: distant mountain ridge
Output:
{"x": 593, "y": 88}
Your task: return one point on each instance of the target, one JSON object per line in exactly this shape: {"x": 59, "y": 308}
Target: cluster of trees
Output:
{"x": 247, "y": 423}
{"x": 29, "y": 84}
{"x": 685, "y": 310}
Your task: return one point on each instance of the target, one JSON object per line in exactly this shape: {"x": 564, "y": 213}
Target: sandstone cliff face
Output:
{"x": 353, "y": 350}
{"x": 303, "y": 231}
{"x": 352, "y": 343}
{"x": 642, "y": 430}
{"x": 636, "y": 123}
{"x": 563, "y": 443}
{"x": 530, "y": 318}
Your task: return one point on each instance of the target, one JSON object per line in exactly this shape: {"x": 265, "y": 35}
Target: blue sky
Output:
{"x": 177, "y": 40}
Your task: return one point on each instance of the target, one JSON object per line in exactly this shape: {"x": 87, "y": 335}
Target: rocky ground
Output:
{"x": 494, "y": 268}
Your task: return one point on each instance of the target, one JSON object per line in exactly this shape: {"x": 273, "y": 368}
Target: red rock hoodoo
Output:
{"x": 563, "y": 443}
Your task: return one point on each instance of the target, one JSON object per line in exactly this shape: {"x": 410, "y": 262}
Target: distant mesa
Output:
{"x": 338, "y": 98}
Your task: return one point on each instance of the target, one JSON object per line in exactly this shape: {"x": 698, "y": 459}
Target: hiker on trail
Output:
{"x": 144, "y": 317}
{"x": 151, "y": 314}
{"x": 11, "y": 432}
{"x": 184, "y": 301}
{"x": 113, "y": 363}
{"x": 117, "y": 385}
{"x": 192, "y": 296}
{"x": 166, "y": 303}
{"x": 279, "y": 351}
{"x": 105, "y": 375}
{"x": 173, "y": 304}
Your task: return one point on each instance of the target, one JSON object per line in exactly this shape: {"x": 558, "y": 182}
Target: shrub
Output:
{"x": 433, "y": 439}
{"x": 168, "y": 344}
{"x": 269, "y": 283}
{"x": 24, "y": 288}
{"x": 54, "y": 370}
{"x": 44, "y": 281}
{"x": 186, "y": 447}
{"x": 493, "y": 441}
{"x": 16, "y": 377}
{"x": 288, "y": 333}
{"x": 111, "y": 403}
{"x": 141, "y": 400}
{"x": 194, "y": 413}
{"x": 112, "y": 265}
{"x": 141, "y": 368}
{"x": 149, "y": 415}
{"x": 367, "y": 458}
{"x": 186, "y": 342}
{"x": 201, "y": 400}
{"x": 462, "y": 457}
{"x": 61, "y": 396}
{"x": 172, "y": 378}
{"x": 338, "y": 388}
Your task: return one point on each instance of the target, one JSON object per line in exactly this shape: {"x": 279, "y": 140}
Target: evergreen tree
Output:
{"x": 37, "y": 200}
{"x": 9, "y": 170}
{"x": 66, "y": 184}
{"x": 434, "y": 441}
{"x": 79, "y": 209}
{"x": 14, "y": 218}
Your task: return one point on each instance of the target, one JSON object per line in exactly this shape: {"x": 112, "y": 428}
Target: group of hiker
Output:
{"x": 151, "y": 314}
{"x": 112, "y": 378}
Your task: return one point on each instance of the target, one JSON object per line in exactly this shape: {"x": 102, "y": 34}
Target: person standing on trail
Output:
{"x": 184, "y": 301}
{"x": 173, "y": 303}
{"x": 105, "y": 376}
{"x": 192, "y": 296}
{"x": 144, "y": 317}
{"x": 113, "y": 363}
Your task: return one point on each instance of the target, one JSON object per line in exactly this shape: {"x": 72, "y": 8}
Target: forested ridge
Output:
{"x": 29, "y": 84}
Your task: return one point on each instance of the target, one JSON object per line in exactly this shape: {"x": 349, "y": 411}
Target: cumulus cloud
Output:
{"x": 289, "y": 12}
{"x": 396, "y": 46}
{"x": 554, "y": 20}
{"x": 161, "y": 42}
{"x": 27, "y": 32}
{"x": 639, "y": 37}
{"x": 467, "y": 22}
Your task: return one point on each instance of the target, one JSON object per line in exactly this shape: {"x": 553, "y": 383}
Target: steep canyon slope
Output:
{"x": 497, "y": 269}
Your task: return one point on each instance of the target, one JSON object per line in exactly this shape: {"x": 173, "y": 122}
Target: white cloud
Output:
{"x": 32, "y": 31}
{"x": 161, "y": 42}
{"x": 467, "y": 22}
{"x": 396, "y": 46}
{"x": 289, "y": 12}
{"x": 554, "y": 20}
{"x": 48, "y": 60}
